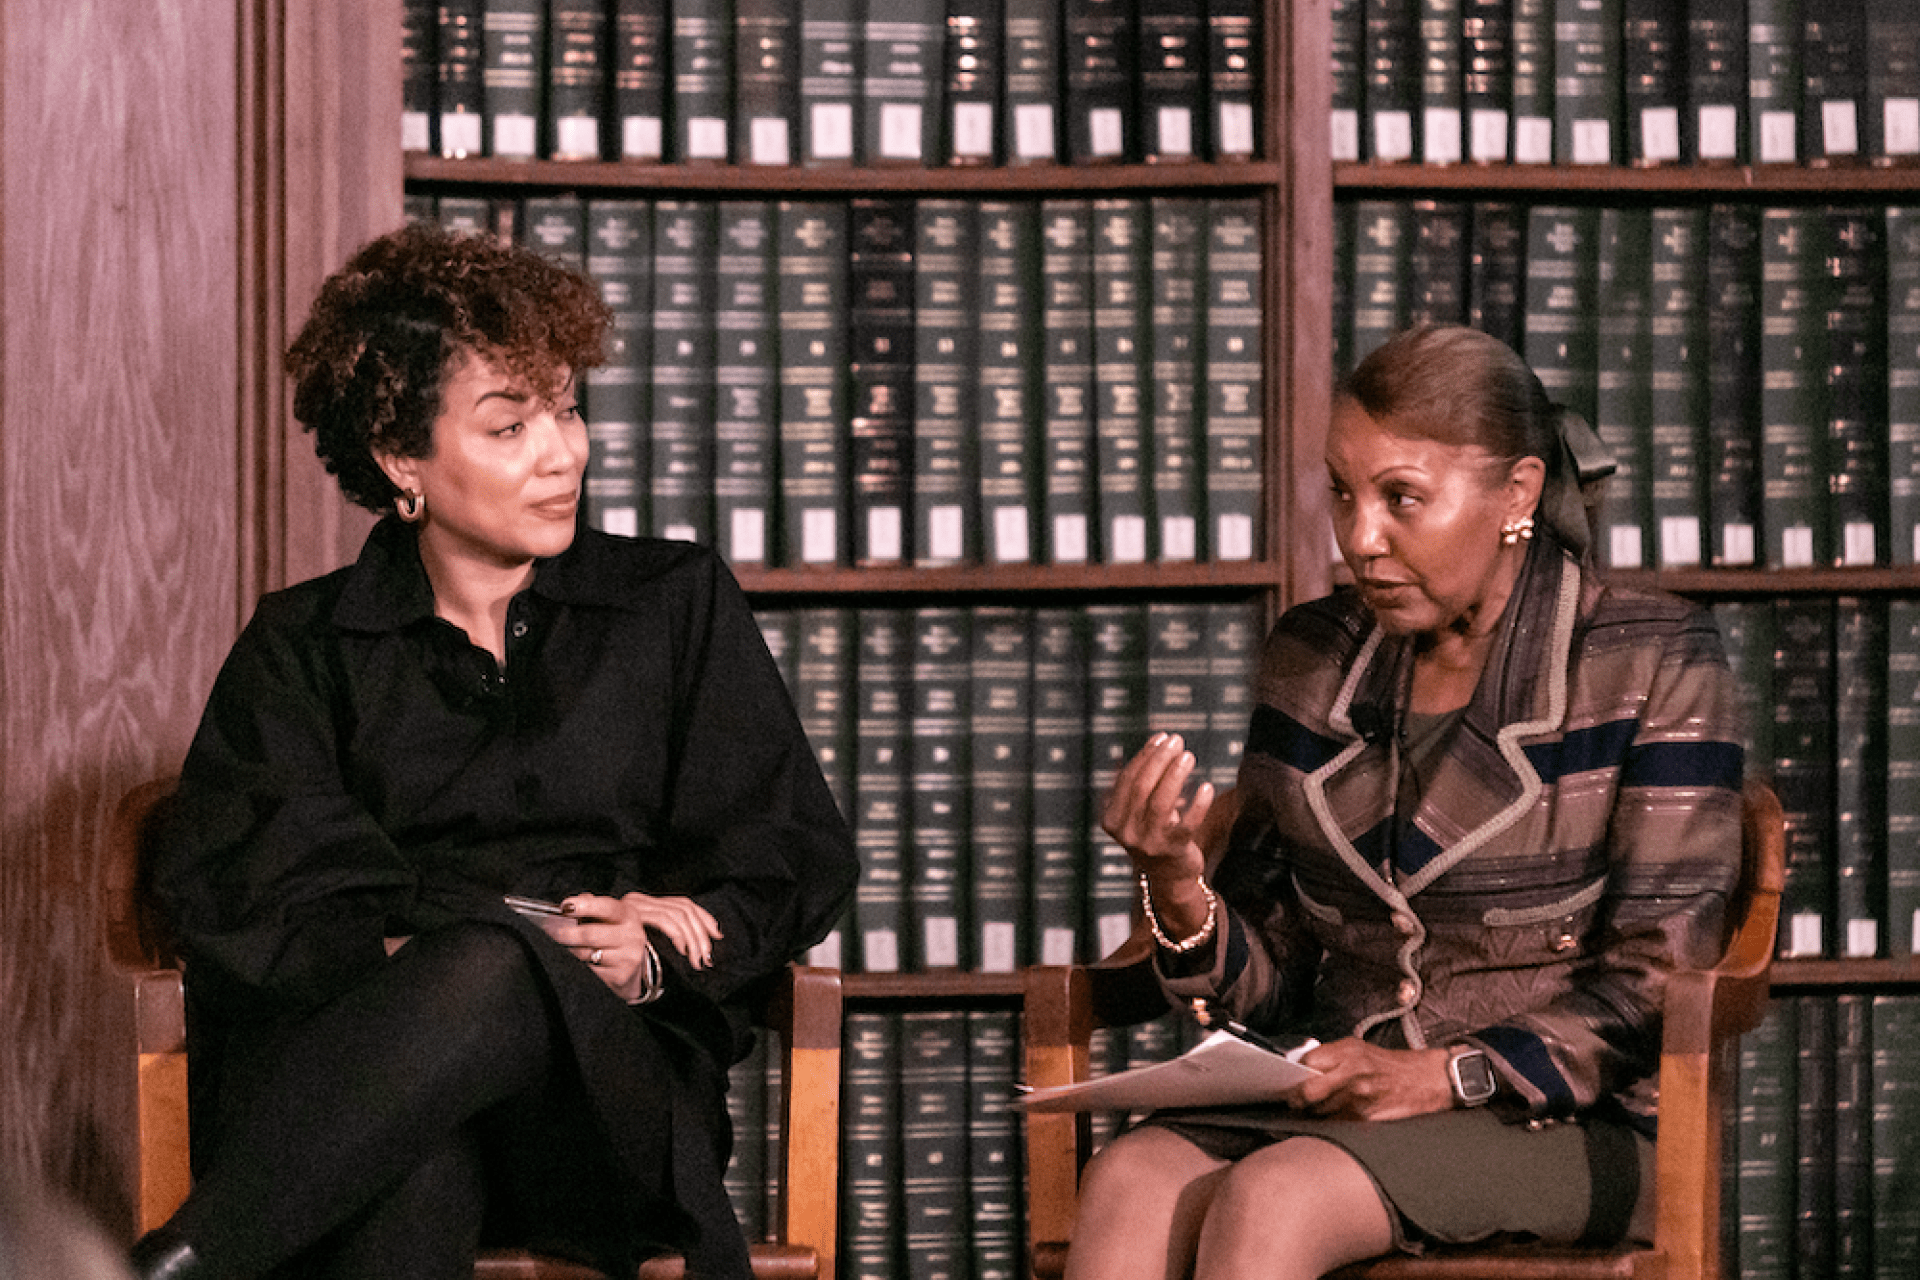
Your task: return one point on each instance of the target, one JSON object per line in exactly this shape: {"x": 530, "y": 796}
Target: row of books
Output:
{"x": 1754, "y": 371}
{"x": 927, "y": 381}
{"x": 1831, "y": 698}
{"x": 1822, "y": 1176}
{"x": 777, "y": 82}
{"x": 1643, "y": 82}
{"x": 973, "y": 747}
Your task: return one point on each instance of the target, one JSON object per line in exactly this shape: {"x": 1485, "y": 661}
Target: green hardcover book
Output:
{"x": 766, "y": 80}
{"x": 1010, "y": 367}
{"x": 420, "y": 209}
{"x": 939, "y": 763}
{"x": 813, "y": 391}
{"x": 1813, "y": 1137}
{"x": 1234, "y": 631}
{"x": 993, "y": 1144}
{"x": 1235, "y": 379}
{"x": 880, "y": 341}
{"x": 872, "y": 1227}
{"x": 1803, "y": 742}
{"x": 1733, "y": 371}
{"x": 900, "y": 88}
{"x": 1177, "y": 677}
{"x": 1069, "y": 500}
{"x": 773, "y": 1086}
{"x": 1178, "y": 345}
{"x": 1903, "y": 382}
{"x": 1345, "y": 236}
{"x": 1623, "y": 386}
{"x": 1533, "y": 83}
{"x": 1057, "y": 871}
{"x": 883, "y": 673}
{"x": 1486, "y": 97}
{"x": 1895, "y": 1034}
{"x": 1437, "y": 263}
{"x": 1890, "y": 125}
{"x": 640, "y": 77}
{"x": 1746, "y": 632}
{"x": 460, "y": 96}
{"x": 1122, "y": 366}
{"x": 1172, "y": 78}
{"x": 946, "y": 344}
{"x": 556, "y": 226}
{"x": 746, "y": 377}
{"x": 1031, "y": 120}
{"x": 1774, "y": 80}
{"x": 826, "y": 643}
{"x": 1903, "y": 778}
{"x": 1390, "y": 57}
{"x": 780, "y": 628}
{"x": 618, "y": 391}
{"x": 1677, "y": 326}
{"x": 512, "y": 44}
{"x": 1833, "y": 59}
{"x": 1855, "y": 396}
{"x": 1852, "y": 1137}
{"x": 1099, "y": 39}
{"x": 419, "y": 74}
{"x": 1442, "y": 82}
{"x": 1653, "y": 51}
{"x": 1497, "y": 271}
{"x": 830, "y": 63}
{"x": 1117, "y": 641}
{"x": 933, "y": 1143}
{"x": 1766, "y": 1133}
{"x": 685, "y": 249}
{"x": 1793, "y": 421}
{"x": 1562, "y": 302}
{"x": 1382, "y": 273}
{"x": 576, "y": 78}
{"x": 1234, "y": 57}
{"x": 1587, "y": 91}
{"x": 745, "y": 1177}
{"x": 1346, "y": 54}
{"x": 972, "y": 44}
{"x": 1716, "y": 63}
{"x": 1859, "y": 777}
{"x": 701, "y": 70}
{"x": 1000, "y": 736}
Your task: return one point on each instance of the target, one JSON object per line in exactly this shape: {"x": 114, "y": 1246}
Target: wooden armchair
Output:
{"x": 805, "y": 1012}
{"x": 1706, "y": 1013}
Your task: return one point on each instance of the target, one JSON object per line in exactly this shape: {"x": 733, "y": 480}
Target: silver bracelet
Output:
{"x": 1200, "y": 939}
{"x": 652, "y": 987}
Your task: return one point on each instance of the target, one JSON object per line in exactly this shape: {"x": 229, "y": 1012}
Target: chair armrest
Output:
{"x": 806, "y": 1010}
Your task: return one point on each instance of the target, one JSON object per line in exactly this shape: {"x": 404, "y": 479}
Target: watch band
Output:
{"x": 1470, "y": 1073}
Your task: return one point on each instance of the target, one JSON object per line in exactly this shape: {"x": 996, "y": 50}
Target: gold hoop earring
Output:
{"x": 412, "y": 504}
{"x": 1514, "y": 531}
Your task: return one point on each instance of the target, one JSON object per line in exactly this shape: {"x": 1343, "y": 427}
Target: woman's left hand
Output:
{"x": 1362, "y": 1081}
{"x": 610, "y": 934}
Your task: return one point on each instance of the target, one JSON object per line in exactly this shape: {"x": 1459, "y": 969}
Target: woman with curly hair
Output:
{"x": 395, "y": 1056}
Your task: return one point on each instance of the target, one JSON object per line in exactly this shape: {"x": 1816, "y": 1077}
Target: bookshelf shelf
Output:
{"x": 1813, "y": 976}
{"x": 1722, "y": 584}
{"x": 946, "y": 988}
{"x": 1001, "y": 580}
{"x": 1669, "y": 183}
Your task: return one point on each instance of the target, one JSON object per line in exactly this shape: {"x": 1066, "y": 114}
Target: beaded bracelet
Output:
{"x": 1200, "y": 939}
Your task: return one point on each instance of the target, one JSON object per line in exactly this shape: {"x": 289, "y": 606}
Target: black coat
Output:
{"x": 363, "y": 771}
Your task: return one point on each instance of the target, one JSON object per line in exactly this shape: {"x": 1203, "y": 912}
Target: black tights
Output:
{"x": 355, "y": 1142}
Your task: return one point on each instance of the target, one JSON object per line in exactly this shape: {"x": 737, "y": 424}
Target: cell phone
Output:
{"x": 534, "y": 906}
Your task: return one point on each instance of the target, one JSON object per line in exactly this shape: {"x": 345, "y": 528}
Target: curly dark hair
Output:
{"x": 370, "y": 363}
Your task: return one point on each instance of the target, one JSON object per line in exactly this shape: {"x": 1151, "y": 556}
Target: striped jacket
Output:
{"x": 1577, "y": 842}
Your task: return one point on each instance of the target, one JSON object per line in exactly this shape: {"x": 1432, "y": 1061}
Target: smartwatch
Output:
{"x": 1471, "y": 1075}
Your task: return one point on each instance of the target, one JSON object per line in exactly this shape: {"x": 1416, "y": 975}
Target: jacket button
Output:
{"x": 1405, "y": 924}
{"x": 1409, "y": 991}
{"x": 1565, "y": 942}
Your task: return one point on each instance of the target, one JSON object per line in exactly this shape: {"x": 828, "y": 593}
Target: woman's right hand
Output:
{"x": 1145, "y": 815}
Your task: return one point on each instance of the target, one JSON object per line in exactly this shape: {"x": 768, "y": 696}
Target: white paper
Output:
{"x": 1222, "y": 1070}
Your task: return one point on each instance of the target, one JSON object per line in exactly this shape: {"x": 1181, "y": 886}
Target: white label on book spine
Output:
{"x": 1173, "y": 131}
{"x": 416, "y": 131}
{"x": 1719, "y": 132}
{"x": 1913, "y": 932}
{"x": 641, "y": 137}
{"x": 1107, "y": 131}
{"x": 1660, "y": 134}
{"x": 830, "y": 132}
{"x": 973, "y": 130}
{"x": 1128, "y": 538}
{"x": 1440, "y": 135}
{"x": 1033, "y": 131}
{"x": 1840, "y": 127}
{"x": 1737, "y": 543}
{"x": 1779, "y": 137}
{"x": 622, "y": 522}
{"x": 1057, "y": 946}
{"x": 942, "y": 938}
{"x": 1010, "y": 543}
{"x": 1857, "y": 545}
{"x": 996, "y": 948}
{"x": 1863, "y": 939}
{"x": 1679, "y": 541}
{"x": 1901, "y": 121}
{"x": 1593, "y": 142}
{"x": 880, "y": 951}
{"x": 884, "y": 526}
{"x": 1345, "y": 139}
{"x": 1796, "y": 547}
{"x": 1489, "y": 130}
{"x": 1533, "y": 140}
{"x": 747, "y": 535}
{"x": 945, "y": 529}
{"x": 826, "y": 952}
{"x": 1392, "y": 135}
{"x": 515, "y": 135}
{"x": 459, "y": 134}
{"x": 1112, "y": 931}
{"x": 1236, "y": 130}
{"x": 1178, "y": 536}
{"x": 576, "y": 138}
{"x": 1070, "y": 539}
{"x": 819, "y": 535}
{"x": 1623, "y": 546}
{"x": 1233, "y": 538}
{"x": 767, "y": 141}
{"x": 680, "y": 533}
{"x": 706, "y": 138}
{"x": 1804, "y": 934}
{"x": 900, "y": 131}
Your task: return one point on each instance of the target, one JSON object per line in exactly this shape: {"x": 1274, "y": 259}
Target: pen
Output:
{"x": 1207, "y": 1016}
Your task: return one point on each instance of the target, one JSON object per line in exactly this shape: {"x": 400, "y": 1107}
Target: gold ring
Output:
{"x": 594, "y": 959}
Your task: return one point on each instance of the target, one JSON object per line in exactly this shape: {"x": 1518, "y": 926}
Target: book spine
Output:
{"x": 971, "y": 76}
{"x": 813, "y": 391}
{"x": 1117, "y": 644}
{"x": 1234, "y": 57}
{"x": 1059, "y": 785}
{"x": 1891, "y": 123}
{"x": 999, "y": 732}
{"x": 1774, "y": 80}
{"x": 824, "y": 696}
{"x": 1235, "y": 385}
{"x": 1717, "y": 81}
{"x": 1346, "y": 239}
{"x": 620, "y": 261}
{"x": 934, "y": 1142}
{"x": 1586, "y": 90}
{"x": 1733, "y": 371}
{"x": 1497, "y": 271}
{"x": 1895, "y": 1033}
{"x": 1654, "y": 95}
{"x": 1234, "y": 630}
{"x": 882, "y": 678}
{"x": 1486, "y": 91}
{"x": 745, "y": 1178}
{"x": 1121, "y": 367}
{"x": 746, "y": 381}
{"x": 419, "y": 74}
{"x": 830, "y": 63}
{"x": 900, "y": 112}
{"x": 556, "y": 227}
{"x": 1903, "y": 382}
{"x": 1623, "y": 385}
{"x": 418, "y": 208}
{"x": 1859, "y": 794}
{"x": 1766, "y": 1132}
{"x": 880, "y": 338}
{"x": 681, "y": 479}
{"x": 938, "y": 768}
{"x": 1746, "y": 633}
{"x": 1177, "y": 676}
{"x": 513, "y": 38}
{"x": 993, "y": 1144}
{"x": 1855, "y": 366}
{"x": 1833, "y": 53}
{"x": 1533, "y": 83}
{"x": 1792, "y": 413}
{"x": 1010, "y": 393}
{"x": 1391, "y": 84}
{"x": 1178, "y": 346}
{"x": 1903, "y": 778}
{"x": 872, "y": 1236}
{"x": 1852, "y": 1137}
{"x": 766, "y": 80}
{"x": 1033, "y": 83}
{"x": 1814, "y": 1137}
{"x": 640, "y": 77}
{"x": 1803, "y": 741}
{"x": 1172, "y": 78}
{"x": 701, "y": 78}
{"x": 1068, "y": 505}
{"x": 1437, "y": 263}
{"x": 773, "y": 1080}
{"x": 1346, "y": 53}
{"x": 1099, "y": 40}
{"x": 946, "y": 483}
{"x": 1442, "y": 82}
{"x": 1562, "y": 303}
{"x": 1382, "y": 273}
{"x": 1677, "y": 322}
{"x": 576, "y": 78}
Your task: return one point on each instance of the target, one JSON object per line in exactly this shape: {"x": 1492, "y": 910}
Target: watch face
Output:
{"x": 1472, "y": 1077}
